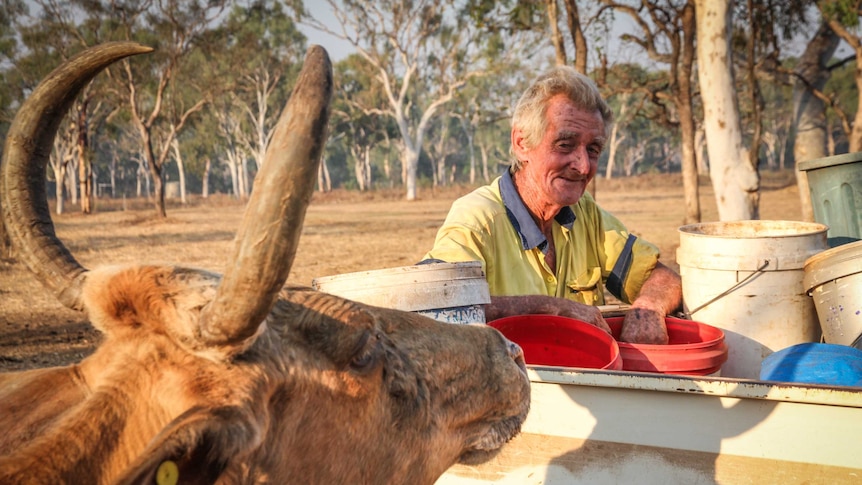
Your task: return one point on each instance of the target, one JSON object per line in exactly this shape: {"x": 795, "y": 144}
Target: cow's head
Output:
{"x": 237, "y": 378}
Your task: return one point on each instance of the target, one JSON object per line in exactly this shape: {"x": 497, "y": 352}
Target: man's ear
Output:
{"x": 519, "y": 146}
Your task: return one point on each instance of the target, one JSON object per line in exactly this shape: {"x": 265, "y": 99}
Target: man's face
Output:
{"x": 559, "y": 168}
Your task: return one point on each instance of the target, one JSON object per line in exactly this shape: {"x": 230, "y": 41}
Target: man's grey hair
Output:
{"x": 529, "y": 115}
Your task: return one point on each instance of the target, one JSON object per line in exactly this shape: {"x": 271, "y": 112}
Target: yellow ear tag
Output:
{"x": 168, "y": 473}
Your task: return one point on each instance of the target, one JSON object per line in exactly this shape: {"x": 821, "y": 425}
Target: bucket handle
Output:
{"x": 726, "y": 292}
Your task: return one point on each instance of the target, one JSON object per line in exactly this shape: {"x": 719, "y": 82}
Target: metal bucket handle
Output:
{"x": 728, "y": 291}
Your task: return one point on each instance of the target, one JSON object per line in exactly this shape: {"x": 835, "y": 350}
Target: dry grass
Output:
{"x": 343, "y": 232}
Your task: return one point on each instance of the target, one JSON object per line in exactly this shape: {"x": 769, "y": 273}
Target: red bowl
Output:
{"x": 560, "y": 341}
{"x": 693, "y": 348}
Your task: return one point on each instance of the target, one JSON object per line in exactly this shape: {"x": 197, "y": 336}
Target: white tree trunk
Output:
{"x": 59, "y": 176}
{"x": 244, "y": 183}
{"x": 71, "y": 182}
{"x": 233, "y": 170}
{"x": 616, "y": 139}
{"x": 613, "y": 145}
{"x": 484, "y": 152}
{"x": 734, "y": 180}
{"x": 178, "y": 157}
{"x": 205, "y": 182}
{"x": 410, "y": 161}
{"x": 324, "y": 183}
{"x": 700, "y": 156}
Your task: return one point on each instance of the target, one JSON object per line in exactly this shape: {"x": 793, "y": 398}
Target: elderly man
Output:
{"x": 545, "y": 245}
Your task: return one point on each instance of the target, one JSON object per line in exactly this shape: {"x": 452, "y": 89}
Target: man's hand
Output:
{"x": 642, "y": 326}
{"x": 660, "y": 295}
{"x": 505, "y": 306}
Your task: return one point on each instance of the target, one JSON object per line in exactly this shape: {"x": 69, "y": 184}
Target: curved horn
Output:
{"x": 266, "y": 242}
{"x": 25, "y": 156}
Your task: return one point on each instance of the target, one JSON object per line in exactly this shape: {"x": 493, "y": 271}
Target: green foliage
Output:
{"x": 844, "y": 11}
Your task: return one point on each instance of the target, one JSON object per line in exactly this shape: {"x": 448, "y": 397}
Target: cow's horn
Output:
{"x": 266, "y": 242}
{"x": 25, "y": 156}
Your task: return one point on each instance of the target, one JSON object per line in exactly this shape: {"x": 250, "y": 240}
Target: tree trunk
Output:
{"x": 178, "y": 157}
{"x": 809, "y": 111}
{"x": 574, "y": 21}
{"x": 205, "y": 182}
{"x": 60, "y": 177}
{"x": 691, "y": 190}
{"x": 362, "y": 167}
{"x": 700, "y": 151}
{"x": 735, "y": 182}
{"x": 324, "y": 184}
{"x": 158, "y": 190}
{"x": 244, "y": 184}
{"x": 233, "y": 170}
{"x": 756, "y": 100}
{"x": 113, "y": 175}
{"x": 70, "y": 181}
{"x": 155, "y": 171}
{"x": 483, "y": 150}
{"x": 83, "y": 150}
{"x": 613, "y": 144}
{"x": 410, "y": 159}
{"x": 556, "y": 36}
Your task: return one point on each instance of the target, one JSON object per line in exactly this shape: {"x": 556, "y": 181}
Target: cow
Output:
{"x": 240, "y": 377}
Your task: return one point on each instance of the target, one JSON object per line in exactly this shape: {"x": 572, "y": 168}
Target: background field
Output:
{"x": 343, "y": 232}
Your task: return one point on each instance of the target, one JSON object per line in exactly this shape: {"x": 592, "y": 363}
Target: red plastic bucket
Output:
{"x": 693, "y": 348}
{"x": 560, "y": 341}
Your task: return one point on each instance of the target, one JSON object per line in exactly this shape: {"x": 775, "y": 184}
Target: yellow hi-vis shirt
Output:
{"x": 481, "y": 227}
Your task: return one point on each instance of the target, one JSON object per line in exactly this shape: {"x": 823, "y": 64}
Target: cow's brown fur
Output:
{"x": 326, "y": 391}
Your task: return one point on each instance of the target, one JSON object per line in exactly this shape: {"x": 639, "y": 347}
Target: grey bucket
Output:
{"x": 835, "y": 184}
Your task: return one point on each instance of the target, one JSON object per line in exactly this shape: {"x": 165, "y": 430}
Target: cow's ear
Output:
{"x": 195, "y": 448}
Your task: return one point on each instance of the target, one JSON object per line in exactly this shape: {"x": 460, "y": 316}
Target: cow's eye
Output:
{"x": 368, "y": 355}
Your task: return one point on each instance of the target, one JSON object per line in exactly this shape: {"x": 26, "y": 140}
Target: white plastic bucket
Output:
{"x": 745, "y": 277}
{"x": 448, "y": 292}
{"x": 833, "y": 278}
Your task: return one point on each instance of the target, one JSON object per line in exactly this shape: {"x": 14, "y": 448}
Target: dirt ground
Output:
{"x": 343, "y": 232}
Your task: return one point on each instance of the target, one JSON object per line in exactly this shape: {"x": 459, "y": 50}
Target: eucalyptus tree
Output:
{"x": 735, "y": 181}
{"x": 483, "y": 111}
{"x": 665, "y": 30}
{"x": 843, "y": 18}
{"x": 46, "y": 35}
{"x": 360, "y": 120}
{"x": 762, "y": 30}
{"x": 164, "y": 90}
{"x": 9, "y": 11}
{"x": 262, "y": 55}
{"x": 441, "y": 143}
{"x": 429, "y": 42}
{"x": 159, "y": 91}
{"x": 809, "y": 107}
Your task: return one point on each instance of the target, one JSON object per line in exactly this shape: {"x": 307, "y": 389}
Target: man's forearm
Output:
{"x": 661, "y": 292}
{"x": 505, "y": 306}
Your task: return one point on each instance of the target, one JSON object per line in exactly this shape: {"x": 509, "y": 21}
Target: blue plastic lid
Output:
{"x": 815, "y": 363}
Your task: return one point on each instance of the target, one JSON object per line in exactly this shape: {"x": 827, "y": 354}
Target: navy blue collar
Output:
{"x": 530, "y": 234}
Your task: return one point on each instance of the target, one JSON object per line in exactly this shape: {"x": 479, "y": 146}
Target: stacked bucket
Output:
{"x": 787, "y": 294}
{"x": 833, "y": 278}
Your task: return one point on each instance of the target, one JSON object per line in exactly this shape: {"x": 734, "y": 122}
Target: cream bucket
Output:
{"x": 448, "y": 292}
{"x": 745, "y": 277}
{"x": 833, "y": 278}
